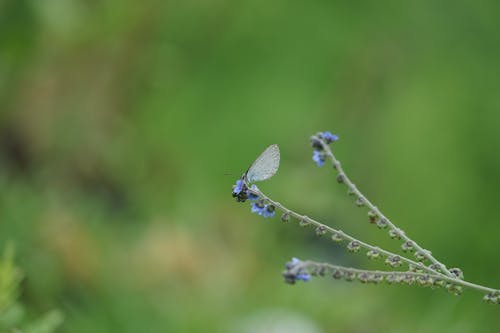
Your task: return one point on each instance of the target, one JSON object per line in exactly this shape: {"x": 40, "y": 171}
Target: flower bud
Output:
{"x": 492, "y": 298}
{"x": 349, "y": 276}
{"x": 363, "y": 277}
{"x": 391, "y": 278}
{"x": 393, "y": 261}
{"x": 353, "y": 246}
{"x": 321, "y": 230}
{"x": 382, "y": 223}
{"x": 439, "y": 283}
{"x": 424, "y": 280}
{"x": 376, "y": 278}
{"x": 373, "y": 254}
{"x": 372, "y": 217}
{"x": 394, "y": 234}
{"x": 408, "y": 279}
{"x": 319, "y": 270}
{"x": 454, "y": 289}
{"x": 316, "y": 143}
{"x": 435, "y": 267}
{"x": 457, "y": 272}
{"x": 304, "y": 222}
{"x": 336, "y": 237}
{"x": 420, "y": 256}
{"x": 289, "y": 277}
{"x": 337, "y": 274}
{"x": 285, "y": 217}
{"x": 407, "y": 246}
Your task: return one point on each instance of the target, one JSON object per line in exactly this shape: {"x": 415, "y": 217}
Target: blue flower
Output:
{"x": 329, "y": 137}
{"x": 319, "y": 158}
{"x": 258, "y": 207}
{"x": 252, "y": 196}
{"x": 303, "y": 276}
{"x": 238, "y": 187}
{"x": 240, "y": 191}
{"x": 292, "y": 275}
{"x": 291, "y": 264}
{"x": 269, "y": 211}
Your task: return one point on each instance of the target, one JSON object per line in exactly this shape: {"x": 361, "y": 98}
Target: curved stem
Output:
{"x": 341, "y": 233}
{"x": 337, "y": 165}
{"x": 305, "y": 264}
{"x": 308, "y": 263}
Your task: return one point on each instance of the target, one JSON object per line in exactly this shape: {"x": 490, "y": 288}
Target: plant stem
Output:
{"x": 305, "y": 264}
{"x": 308, "y": 263}
{"x": 337, "y": 165}
{"x": 341, "y": 233}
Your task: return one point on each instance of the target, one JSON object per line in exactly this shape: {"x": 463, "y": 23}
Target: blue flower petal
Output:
{"x": 303, "y": 276}
{"x": 257, "y": 208}
{"x": 329, "y": 137}
{"x": 238, "y": 187}
{"x": 318, "y": 158}
{"x": 268, "y": 212}
{"x": 252, "y": 196}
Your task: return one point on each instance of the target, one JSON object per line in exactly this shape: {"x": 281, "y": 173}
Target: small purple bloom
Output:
{"x": 292, "y": 274}
{"x": 319, "y": 158}
{"x": 258, "y": 207}
{"x": 303, "y": 276}
{"x": 291, "y": 264}
{"x": 252, "y": 196}
{"x": 238, "y": 187}
{"x": 240, "y": 191}
{"x": 269, "y": 211}
{"x": 329, "y": 137}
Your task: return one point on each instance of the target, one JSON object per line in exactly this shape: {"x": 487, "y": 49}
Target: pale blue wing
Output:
{"x": 265, "y": 166}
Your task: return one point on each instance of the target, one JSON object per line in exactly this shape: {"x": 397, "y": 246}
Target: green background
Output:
{"x": 120, "y": 120}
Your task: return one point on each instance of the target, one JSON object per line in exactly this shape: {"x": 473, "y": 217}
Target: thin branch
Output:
{"x": 453, "y": 280}
{"x": 353, "y": 189}
{"x": 340, "y": 232}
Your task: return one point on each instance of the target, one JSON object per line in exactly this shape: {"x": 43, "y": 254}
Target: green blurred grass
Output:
{"x": 119, "y": 120}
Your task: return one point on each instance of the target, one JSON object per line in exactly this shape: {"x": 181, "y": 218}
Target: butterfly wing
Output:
{"x": 265, "y": 166}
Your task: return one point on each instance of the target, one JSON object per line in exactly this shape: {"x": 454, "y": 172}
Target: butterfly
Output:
{"x": 265, "y": 166}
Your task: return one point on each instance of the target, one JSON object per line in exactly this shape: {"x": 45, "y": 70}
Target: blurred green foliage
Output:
{"x": 120, "y": 118}
{"x": 12, "y": 313}
{"x": 9, "y": 280}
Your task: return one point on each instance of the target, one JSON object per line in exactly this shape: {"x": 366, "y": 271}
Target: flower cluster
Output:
{"x": 263, "y": 209}
{"x": 376, "y": 277}
{"x": 317, "y": 141}
{"x": 294, "y": 272}
{"x": 423, "y": 268}
{"x": 242, "y": 193}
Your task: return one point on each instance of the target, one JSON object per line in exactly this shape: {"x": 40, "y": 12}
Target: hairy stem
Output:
{"x": 337, "y": 165}
{"x": 341, "y": 233}
{"x": 453, "y": 280}
{"x": 430, "y": 272}
{"x": 308, "y": 263}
